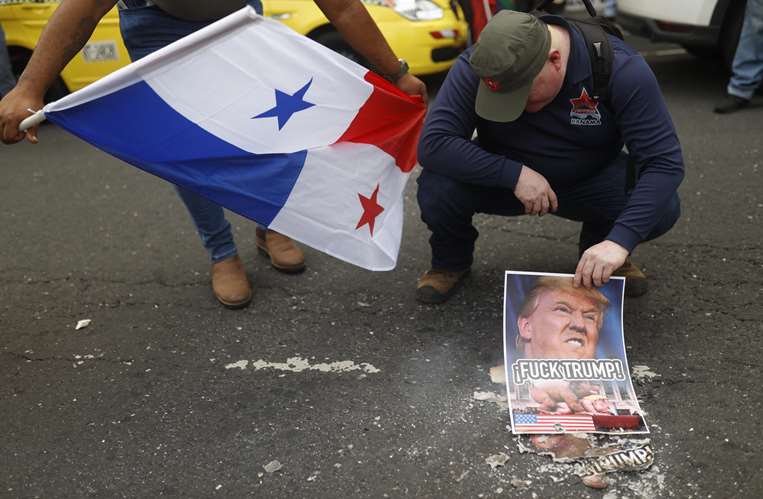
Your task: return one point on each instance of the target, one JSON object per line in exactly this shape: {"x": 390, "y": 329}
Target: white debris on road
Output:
{"x": 643, "y": 373}
{"x": 273, "y": 466}
{"x": 488, "y": 396}
{"x": 241, "y": 364}
{"x": 498, "y": 374}
{"x": 497, "y": 460}
{"x": 298, "y": 364}
{"x": 82, "y": 324}
{"x": 520, "y": 484}
{"x": 499, "y": 400}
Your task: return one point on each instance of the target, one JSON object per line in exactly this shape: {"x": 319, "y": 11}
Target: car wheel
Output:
{"x": 56, "y": 91}
{"x": 702, "y": 52}
{"x": 20, "y": 58}
{"x": 732, "y": 26}
{"x": 335, "y": 42}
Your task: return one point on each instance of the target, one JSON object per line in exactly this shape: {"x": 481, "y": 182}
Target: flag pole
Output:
{"x": 37, "y": 118}
{"x": 488, "y": 12}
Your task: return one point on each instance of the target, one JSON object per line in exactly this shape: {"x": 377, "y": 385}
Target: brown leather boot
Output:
{"x": 635, "y": 280}
{"x": 436, "y": 286}
{"x": 230, "y": 284}
{"x": 284, "y": 255}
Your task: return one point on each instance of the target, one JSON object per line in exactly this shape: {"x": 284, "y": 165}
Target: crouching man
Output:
{"x": 545, "y": 144}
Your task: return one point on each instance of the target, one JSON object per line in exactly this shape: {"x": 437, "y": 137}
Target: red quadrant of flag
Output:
{"x": 391, "y": 120}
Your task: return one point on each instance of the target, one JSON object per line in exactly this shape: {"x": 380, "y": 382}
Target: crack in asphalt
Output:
{"x": 90, "y": 281}
{"x": 22, "y": 356}
{"x": 150, "y": 304}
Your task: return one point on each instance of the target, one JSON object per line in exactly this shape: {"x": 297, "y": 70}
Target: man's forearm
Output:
{"x": 65, "y": 35}
{"x": 646, "y": 204}
{"x": 355, "y": 24}
{"x": 465, "y": 161}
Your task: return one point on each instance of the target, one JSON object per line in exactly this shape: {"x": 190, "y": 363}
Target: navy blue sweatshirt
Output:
{"x": 566, "y": 141}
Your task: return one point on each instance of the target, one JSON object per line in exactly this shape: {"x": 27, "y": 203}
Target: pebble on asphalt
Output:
{"x": 273, "y": 466}
{"x": 81, "y": 324}
{"x": 595, "y": 481}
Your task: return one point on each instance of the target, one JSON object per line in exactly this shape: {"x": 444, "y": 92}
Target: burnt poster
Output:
{"x": 567, "y": 370}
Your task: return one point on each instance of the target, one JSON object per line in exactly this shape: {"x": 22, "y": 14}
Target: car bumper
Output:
{"x": 425, "y": 53}
{"x": 682, "y": 34}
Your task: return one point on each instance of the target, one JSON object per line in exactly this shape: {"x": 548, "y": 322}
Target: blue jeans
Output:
{"x": 447, "y": 207}
{"x": 7, "y": 80}
{"x": 145, "y": 30}
{"x": 609, "y": 8}
{"x": 747, "y": 68}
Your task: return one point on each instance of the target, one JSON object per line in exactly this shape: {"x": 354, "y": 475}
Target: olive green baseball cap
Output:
{"x": 509, "y": 54}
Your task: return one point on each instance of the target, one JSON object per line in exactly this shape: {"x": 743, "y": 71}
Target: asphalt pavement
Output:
{"x": 165, "y": 393}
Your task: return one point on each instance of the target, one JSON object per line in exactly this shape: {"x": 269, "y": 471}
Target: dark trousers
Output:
{"x": 447, "y": 207}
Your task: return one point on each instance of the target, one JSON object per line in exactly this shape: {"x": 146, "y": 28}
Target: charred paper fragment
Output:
{"x": 589, "y": 457}
{"x": 497, "y": 460}
{"x": 561, "y": 448}
{"x": 623, "y": 459}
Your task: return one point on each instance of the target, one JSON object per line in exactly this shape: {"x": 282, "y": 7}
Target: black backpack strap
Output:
{"x": 595, "y": 32}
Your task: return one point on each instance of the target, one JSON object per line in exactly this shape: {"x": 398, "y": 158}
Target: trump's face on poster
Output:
{"x": 561, "y": 323}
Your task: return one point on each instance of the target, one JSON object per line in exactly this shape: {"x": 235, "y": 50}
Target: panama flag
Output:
{"x": 266, "y": 123}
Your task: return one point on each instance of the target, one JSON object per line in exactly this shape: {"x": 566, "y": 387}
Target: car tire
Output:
{"x": 335, "y": 42}
{"x": 732, "y": 27}
{"x": 56, "y": 91}
{"x": 19, "y": 60}
{"x": 702, "y": 52}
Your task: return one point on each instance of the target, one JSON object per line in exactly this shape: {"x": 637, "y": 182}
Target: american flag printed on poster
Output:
{"x": 553, "y": 423}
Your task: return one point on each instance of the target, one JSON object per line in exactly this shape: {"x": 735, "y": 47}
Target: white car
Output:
{"x": 703, "y": 27}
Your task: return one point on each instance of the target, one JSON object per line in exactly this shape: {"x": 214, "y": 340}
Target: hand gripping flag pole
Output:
{"x": 36, "y": 118}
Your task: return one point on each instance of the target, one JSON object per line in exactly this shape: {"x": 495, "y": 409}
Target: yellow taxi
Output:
{"x": 429, "y": 34}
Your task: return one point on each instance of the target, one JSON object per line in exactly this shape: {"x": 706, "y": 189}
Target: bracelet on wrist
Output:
{"x": 402, "y": 71}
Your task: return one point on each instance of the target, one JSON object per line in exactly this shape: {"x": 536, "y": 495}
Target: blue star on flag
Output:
{"x": 287, "y": 105}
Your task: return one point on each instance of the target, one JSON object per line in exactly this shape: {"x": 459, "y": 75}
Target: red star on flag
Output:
{"x": 584, "y": 103}
{"x": 371, "y": 210}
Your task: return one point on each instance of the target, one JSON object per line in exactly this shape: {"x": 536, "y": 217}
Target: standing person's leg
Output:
{"x": 747, "y": 69}
{"x": 285, "y": 256}
{"x": 7, "y": 80}
{"x": 144, "y": 31}
{"x": 598, "y": 202}
{"x": 609, "y": 9}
